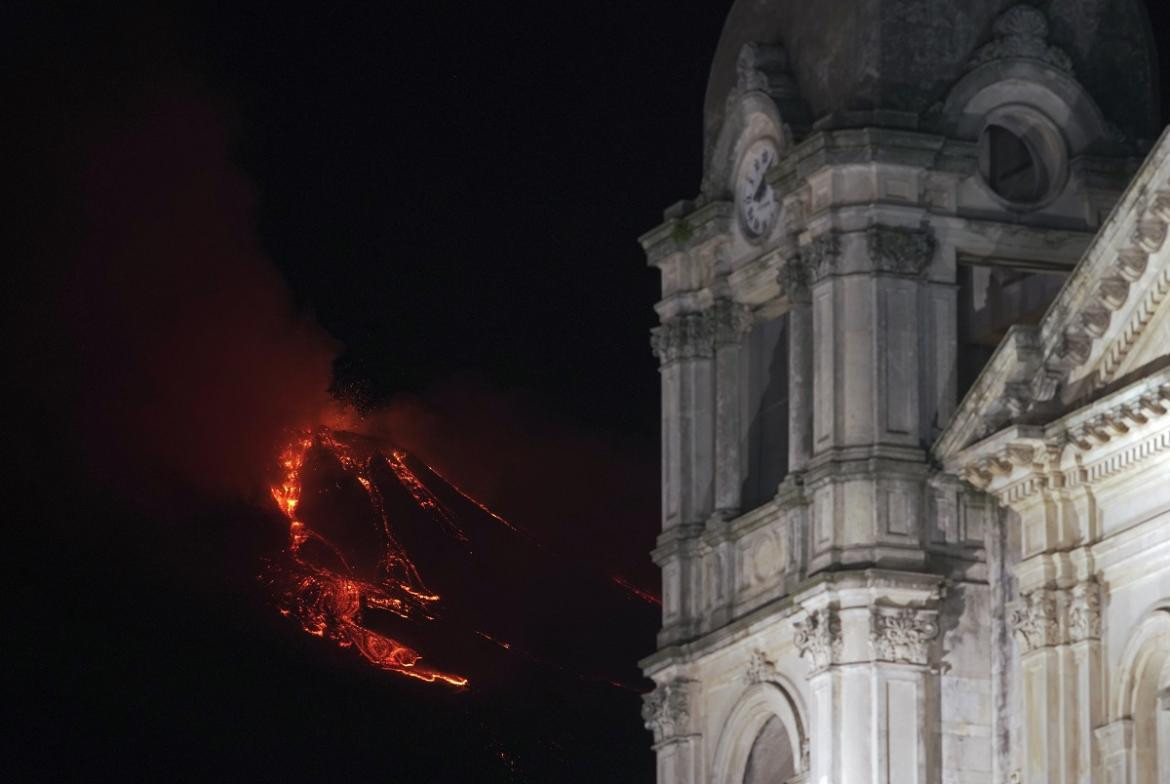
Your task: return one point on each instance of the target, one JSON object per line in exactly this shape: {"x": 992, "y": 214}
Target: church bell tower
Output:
{"x": 889, "y": 189}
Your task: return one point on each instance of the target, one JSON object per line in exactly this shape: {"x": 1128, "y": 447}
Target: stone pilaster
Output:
{"x": 730, "y": 322}
{"x": 867, "y": 471}
{"x": 667, "y": 712}
{"x": 684, "y": 346}
{"x": 1059, "y": 636}
{"x": 794, "y": 280}
{"x": 870, "y": 641}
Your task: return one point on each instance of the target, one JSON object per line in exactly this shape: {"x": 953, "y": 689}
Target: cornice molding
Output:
{"x": 1103, "y": 439}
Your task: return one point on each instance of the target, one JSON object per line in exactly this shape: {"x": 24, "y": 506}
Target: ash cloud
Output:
{"x": 195, "y": 353}
{"x": 160, "y": 335}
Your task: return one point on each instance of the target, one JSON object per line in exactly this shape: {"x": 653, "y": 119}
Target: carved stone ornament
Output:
{"x": 1034, "y": 621}
{"x": 902, "y": 635}
{"x": 689, "y": 336}
{"x": 1022, "y": 32}
{"x": 730, "y": 321}
{"x": 900, "y": 251}
{"x": 760, "y": 669}
{"x": 1084, "y": 612}
{"x": 667, "y": 710}
{"x": 818, "y": 638}
{"x": 793, "y": 278}
{"x": 763, "y": 67}
{"x": 819, "y": 256}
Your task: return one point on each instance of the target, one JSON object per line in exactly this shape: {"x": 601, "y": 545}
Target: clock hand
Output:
{"x": 759, "y": 194}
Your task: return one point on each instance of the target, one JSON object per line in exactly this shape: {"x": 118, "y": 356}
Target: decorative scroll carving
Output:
{"x": 1112, "y": 292}
{"x": 763, "y": 67}
{"x": 1095, "y": 320}
{"x": 1150, "y": 234}
{"x": 1034, "y": 621}
{"x": 1075, "y": 348}
{"x": 1022, "y": 31}
{"x": 1132, "y": 263}
{"x": 689, "y": 336}
{"x": 899, "y": 250}
{"x": 902, "y": 635}
{"x": 760, "y": 669}
{"x": 818, "y": 638}
{"x": 1084, "y": 612}
{"x": 667, "y": 710}
{"x": 1042, "y": 387}
{"x": 819, "y": 256}
{"x": 793, "y": 278}
{"x": 730, "y": 321}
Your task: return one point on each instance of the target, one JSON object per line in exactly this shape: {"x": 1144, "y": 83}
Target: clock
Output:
{"x": 758, "y": 207}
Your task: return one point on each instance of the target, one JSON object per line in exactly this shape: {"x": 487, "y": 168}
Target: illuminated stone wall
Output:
{"x": 948, "y": 584}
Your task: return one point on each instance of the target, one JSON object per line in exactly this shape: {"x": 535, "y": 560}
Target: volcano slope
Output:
{"x": 146, "y": 647}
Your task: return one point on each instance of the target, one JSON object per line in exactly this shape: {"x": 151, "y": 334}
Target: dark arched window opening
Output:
{"x": 770, "y": 760}
{"x": 764, "y": 386}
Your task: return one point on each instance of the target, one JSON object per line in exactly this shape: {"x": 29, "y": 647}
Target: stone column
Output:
{"x": 684, "y": 346}
{"x": 873, "y": 659}
{"x": 1059, "y": 634}
{"x": 818, "y": 638}
{"x": 1083, "y": 619}
{"x": 793, "y": 280}
{"x": 667, "y": 713}
{"x": 730, "y": 321}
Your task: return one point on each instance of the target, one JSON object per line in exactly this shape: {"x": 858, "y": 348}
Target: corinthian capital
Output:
{"x": 688, "y": 336}
{"x": 793, "y": 278}
{"x": 730, "y": 321}
{"x": 1035, "y": 622}
{"x": 902, "y": 635}
{"x": 667, "y": 710}
{"x": 899, "y": 250}
{"x": 1084, "y": 612}
{"x": 818, "y": 638}
{"x": 819, "y": 257}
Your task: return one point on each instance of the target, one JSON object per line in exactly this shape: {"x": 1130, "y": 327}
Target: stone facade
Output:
{"x": 947, "y": 359}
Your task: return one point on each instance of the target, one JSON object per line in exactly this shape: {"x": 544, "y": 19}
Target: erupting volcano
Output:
{"x": 387, "y": 557}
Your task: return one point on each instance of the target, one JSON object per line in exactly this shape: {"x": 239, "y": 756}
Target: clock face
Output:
{"x": 758, "y": 207}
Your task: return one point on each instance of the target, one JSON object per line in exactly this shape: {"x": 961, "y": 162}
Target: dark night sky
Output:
{"x": 438, "y": 200}
{"x": 467, "y": 181}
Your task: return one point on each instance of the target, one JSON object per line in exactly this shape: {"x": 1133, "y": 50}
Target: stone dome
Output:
{"x": 904, "y": 55}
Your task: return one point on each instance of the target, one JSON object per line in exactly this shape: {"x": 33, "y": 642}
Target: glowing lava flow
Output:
{"x": 328, "y": 602}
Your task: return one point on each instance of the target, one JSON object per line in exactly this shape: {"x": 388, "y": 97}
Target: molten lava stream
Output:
{"x": 350, "y": 576}
{"x": 328, "y": 599}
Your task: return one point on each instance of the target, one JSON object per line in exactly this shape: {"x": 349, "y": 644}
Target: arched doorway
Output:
{"x": 762, "y": 738}
{"x": 1143, "y": 697}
